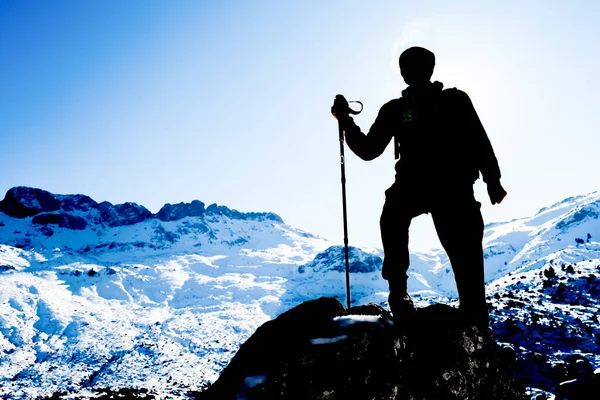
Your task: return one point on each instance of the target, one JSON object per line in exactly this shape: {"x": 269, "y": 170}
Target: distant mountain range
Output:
{"x": 102, "y": 295}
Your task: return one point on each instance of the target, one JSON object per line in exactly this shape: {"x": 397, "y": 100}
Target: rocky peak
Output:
{"x": 319, "y": 350}
{"x": 174, "y": 212}
{"x": 23, "y": 202}
{"x": 123, "y": 214}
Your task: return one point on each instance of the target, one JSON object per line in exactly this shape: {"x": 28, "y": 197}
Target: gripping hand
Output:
{"x": 340, "y": 108}
{"x": 496, "y": 192}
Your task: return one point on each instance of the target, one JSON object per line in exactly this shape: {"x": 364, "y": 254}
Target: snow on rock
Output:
{"x": 549, "y": 315}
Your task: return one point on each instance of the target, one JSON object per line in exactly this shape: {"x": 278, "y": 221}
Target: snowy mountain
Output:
{"x": 100, "y": 295}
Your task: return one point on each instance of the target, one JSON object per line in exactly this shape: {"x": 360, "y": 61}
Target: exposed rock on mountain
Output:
{"x": 124, "y": 214}
{"x": 214, "y": 210}
{"x": 174, "y": 212}
{"x": 76, "y": 202}
{"x": 318, "y": 350}
{"x": 23, "y": 202}
{"x": 63, "y": 220}
{"x": 333, "y": 259}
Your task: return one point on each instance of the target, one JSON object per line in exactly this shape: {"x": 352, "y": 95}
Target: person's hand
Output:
{"x": 496, "y": 192}
{"x": 340, "y": 108}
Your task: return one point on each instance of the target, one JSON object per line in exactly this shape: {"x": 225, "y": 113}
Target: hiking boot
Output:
{"x": 475, "y": 316}
{"x": 401, "y": 306}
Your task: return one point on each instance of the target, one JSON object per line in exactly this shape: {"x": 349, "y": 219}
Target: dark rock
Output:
{"x": 77, "y": 202}
{"x": 63, "y": 220}
{"x": 586, "y": 212}
{"x": 23, "y": 202}
{"x": 577, "y": 379}
{"x": 107, "y": 211}
{"x": 122, "y": 214}
{"x": 164, "y": 236}
{"x": 261, "y": 216}
{"x": 46, "y": 231}
{"x": 549, "y": 273}
{"x": 318, "y": 351}
{"x": 214, "y": 209}
{"x": 131, "y": 213}
{"x": 585, "y": 385}
{"x": 179, "y": 211}
{"x": 188, "y": 227}
{"x": 333, "y": 259}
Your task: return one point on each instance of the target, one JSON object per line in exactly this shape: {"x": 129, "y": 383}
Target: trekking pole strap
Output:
{"x": 354, "y": 112}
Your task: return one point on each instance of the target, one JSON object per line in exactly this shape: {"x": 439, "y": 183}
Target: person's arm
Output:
{"x": 371, "y": 145}
{"x": 485, "y": 157}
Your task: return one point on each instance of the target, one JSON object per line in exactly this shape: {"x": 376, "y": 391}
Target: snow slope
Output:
{"x": 100, "y": 295}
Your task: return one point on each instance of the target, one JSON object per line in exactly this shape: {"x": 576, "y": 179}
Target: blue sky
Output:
{"x": 228, "y": 102}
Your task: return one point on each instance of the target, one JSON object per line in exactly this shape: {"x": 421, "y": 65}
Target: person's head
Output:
{"x": 416, "y": 65}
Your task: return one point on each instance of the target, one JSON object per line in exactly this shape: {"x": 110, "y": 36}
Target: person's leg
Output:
{"x": 460, "y": 230}
{"x": 394, "y": 223}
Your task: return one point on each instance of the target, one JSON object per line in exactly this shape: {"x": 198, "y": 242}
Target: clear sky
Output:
{"x": 228, "y": 101}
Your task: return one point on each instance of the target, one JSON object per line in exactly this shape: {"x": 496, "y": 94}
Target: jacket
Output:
{"x": 438, "y": 138}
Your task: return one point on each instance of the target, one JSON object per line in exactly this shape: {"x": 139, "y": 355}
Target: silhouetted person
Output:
{"x": 442, "y": 147}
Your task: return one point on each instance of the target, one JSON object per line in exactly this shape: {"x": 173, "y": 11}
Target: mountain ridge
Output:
{"x": 23, "y": 202}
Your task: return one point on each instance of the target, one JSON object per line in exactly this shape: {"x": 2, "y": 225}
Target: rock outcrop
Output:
{"x": 63, "y": 220}
{"x": 214, "y": 209}
{"x": 332, "y": 259}
{"x": 23, "y": 202}
{"x": 124, "y": 214}
{"x": 319, "y": 350}
{"x": 174, "y": 212}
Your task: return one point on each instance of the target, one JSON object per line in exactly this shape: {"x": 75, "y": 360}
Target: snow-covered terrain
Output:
{"x": 98, "y": 295}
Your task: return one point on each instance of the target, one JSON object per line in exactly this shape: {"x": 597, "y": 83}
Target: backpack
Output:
{"x": 408, "y": 116}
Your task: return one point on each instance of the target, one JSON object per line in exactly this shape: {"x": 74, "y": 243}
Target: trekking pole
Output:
{"x": 343, "y": 165}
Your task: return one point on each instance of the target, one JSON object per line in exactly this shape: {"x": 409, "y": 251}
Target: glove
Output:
{"x": 340, "y": 108}
{"x": 496, "y": 192}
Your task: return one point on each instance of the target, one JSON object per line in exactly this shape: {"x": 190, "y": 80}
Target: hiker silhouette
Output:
{"x": 442, "y": 147}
